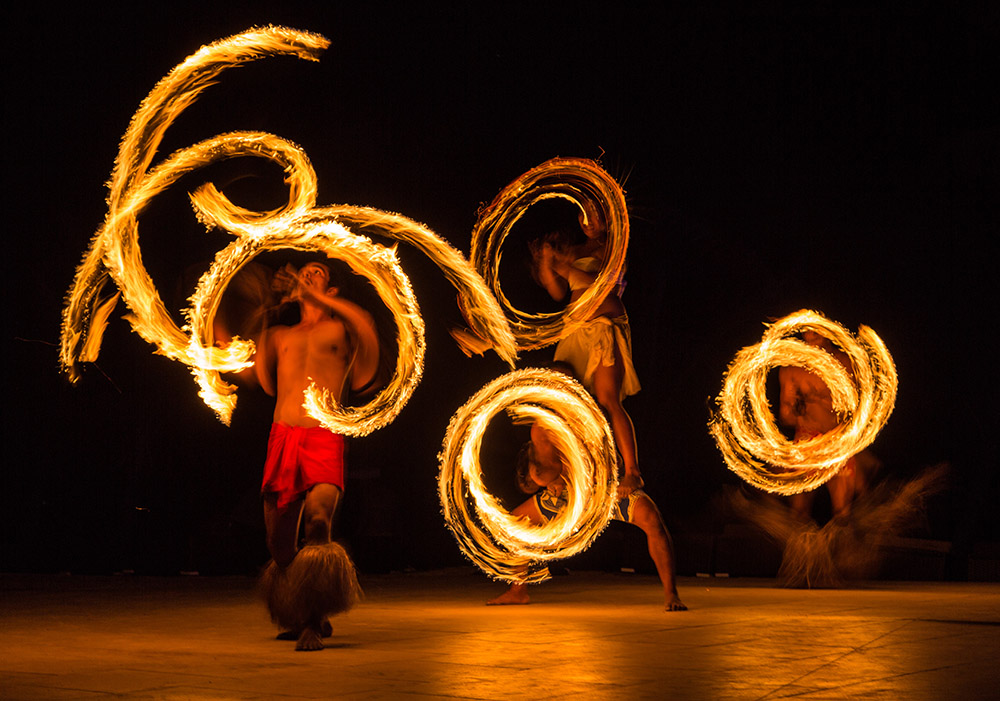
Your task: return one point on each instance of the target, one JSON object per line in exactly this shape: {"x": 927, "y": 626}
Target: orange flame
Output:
{"x": 114, "y": 251}
{"x": 745, "y": 430}
{"x": 559, "y": 404}
{"x": 577, "y": 180}
{"x": 506, "y": 547}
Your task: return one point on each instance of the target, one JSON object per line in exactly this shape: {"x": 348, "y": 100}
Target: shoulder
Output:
{"x": 276, "y": 332}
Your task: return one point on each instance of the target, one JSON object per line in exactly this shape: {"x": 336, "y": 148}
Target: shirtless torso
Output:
{"x": 317, "y": 352}
{"x": 335, "y": 342}
{"x": 806, "y": 405}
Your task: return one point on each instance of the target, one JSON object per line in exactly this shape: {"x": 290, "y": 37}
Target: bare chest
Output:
{"x": 322, "y": 342}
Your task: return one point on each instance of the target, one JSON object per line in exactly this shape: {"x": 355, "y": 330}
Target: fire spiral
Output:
{"x": 508, "y": 549}
{"x": 502, "y": 545}
{"x": 582, "y": 182}
{"x": 744, "y": 427}
{"x": 114, "y": 253}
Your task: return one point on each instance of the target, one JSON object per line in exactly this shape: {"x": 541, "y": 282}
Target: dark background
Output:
{"x": 774, "y": 158}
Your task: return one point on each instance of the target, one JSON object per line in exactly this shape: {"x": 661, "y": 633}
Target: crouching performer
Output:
{"x": 335, "y": 345}
{"x": 539, "y": 472}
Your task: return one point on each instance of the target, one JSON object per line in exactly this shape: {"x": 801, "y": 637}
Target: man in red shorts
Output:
{"x": 335, "y": 345}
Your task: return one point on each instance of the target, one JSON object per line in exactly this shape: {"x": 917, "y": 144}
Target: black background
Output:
{"x": 774, "y": 158}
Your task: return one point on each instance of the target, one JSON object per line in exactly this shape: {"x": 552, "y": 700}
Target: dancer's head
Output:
{"x": 317, "y": 276}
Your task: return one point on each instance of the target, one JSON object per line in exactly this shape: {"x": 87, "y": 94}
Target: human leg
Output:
{"x": 321, "y": 504}
{"x": 801, "y": 505}
{"x": 304, "y": 586}
{"x": 320, "y": 507}
{"x": 646, "y": 516}
{"x": 844, "y": 487}
{"x": 517, "y": 592}
{"x": 282, "y": 526}
{"x": 607, "y": 386}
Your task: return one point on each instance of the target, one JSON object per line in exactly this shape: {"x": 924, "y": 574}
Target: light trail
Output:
{"x": 745, "y": 429}
{"x": 115, "y": 252}
{"x": 500, "y": 544}
{"x": 559, "y": 404}
{"x": 579, "y": 181}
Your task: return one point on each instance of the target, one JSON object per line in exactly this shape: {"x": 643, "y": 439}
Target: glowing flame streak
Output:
{"x": 549, "y": 398}
{"x": 114, "y": 250}
{"x": 745, "y": 429}
{"x": 378, "y": 264}
{"x": 500, "y": 544}
{"x": 481, "y": 308}
{"x": 576, "y": 180}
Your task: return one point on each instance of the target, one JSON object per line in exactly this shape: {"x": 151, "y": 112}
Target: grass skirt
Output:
{"x": 318, "y": 583}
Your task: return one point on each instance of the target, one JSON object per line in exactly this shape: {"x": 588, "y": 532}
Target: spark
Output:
{"x": 500, "y": 544}
{"x": 579, "y": 181}
{"x": 744, "y": 427}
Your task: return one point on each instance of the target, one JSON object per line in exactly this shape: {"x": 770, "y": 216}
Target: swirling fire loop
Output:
{"x": 502, "y": 545}
{"x": 588, "y": 186}
{"x": 114, "y": 252}
{"x": 507, "y": 548}
{"x": 745, "y": 429}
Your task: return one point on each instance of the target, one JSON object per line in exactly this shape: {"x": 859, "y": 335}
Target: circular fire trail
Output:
{"x": 744, "y": 427}
{"x": 582, "y": 182}
{"x": 502, "y": 545}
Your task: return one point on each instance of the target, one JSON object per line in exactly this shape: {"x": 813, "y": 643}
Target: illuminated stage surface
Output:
{"x": 428, "y": 635}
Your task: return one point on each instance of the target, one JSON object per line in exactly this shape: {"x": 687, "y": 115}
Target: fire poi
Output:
{"x": 500, "y": 544}
{"x": 581, "y": 182}
{"x": 744, "y": 427}
{"x": 509, "y": 549}
{"x": 114, "y": 255}
{"x": 114, "y": 252}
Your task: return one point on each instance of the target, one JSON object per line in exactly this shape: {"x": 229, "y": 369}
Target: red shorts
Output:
{"x": 299, "y": 458}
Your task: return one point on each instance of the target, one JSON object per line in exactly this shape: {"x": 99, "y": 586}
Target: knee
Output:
{"x": 317, "y": 528}
{"x": 647, "y": 517}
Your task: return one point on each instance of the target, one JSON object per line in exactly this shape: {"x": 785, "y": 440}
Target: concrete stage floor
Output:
{"x": 428, "y": 635}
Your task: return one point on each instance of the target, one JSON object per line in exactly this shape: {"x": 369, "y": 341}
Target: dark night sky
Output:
{"x": 843, "y": 160}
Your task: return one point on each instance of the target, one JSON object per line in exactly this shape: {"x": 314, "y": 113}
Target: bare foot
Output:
{"x": 325, "y": 630}
{"x": 674, "y": 603}
{"x": 516, "y": 595}
{"x": 309, "y": 640}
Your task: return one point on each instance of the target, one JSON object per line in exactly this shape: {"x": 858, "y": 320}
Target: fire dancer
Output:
{"x": 335, "y": 345}
{"x": 806, "y": 406}
{"x": 540, "y": 468}
{"x": 600, "y": 351}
